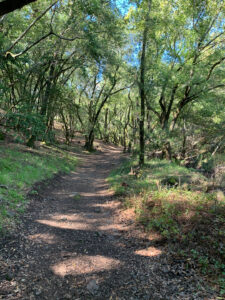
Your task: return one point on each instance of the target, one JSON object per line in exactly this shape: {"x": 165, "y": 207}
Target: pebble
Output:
{"x": 92, "y": 286}
{"x": 38, "y": 292}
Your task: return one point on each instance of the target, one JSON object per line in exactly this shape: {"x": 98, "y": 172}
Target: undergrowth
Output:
{"x": 172, "y": 200}
{"x": 20, "y": 168}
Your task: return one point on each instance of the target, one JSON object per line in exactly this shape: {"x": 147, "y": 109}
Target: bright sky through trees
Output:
{"x": 123, "y": 6}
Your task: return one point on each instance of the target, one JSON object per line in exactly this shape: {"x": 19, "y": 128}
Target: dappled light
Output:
{"x": 67, "y": 222}
{"x": 150, "y": 252}
{"x": 85, "y": 264}
{"x": 43, "y": 238}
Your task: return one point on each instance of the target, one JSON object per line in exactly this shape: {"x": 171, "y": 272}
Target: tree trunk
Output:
{"x": 167, "y": 151}
{"x": 67, "y": 131}
{"x": 45, "y": 100}
{"x": 31, "y": 142}
{"x": 183, "y": 152}
{"x": 106, "y": 135}
{"x": 89, "y": 141}
{"x": 142, "y": 88}
{"x": 124, "y": 140}
{"x": 142, "y": 96}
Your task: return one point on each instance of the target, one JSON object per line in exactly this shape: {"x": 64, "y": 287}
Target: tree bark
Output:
{"x": 106, "y": 135}
{"x": 142, "y": 91}
{"x": 45, "y": 100}
{"x": 89, "y": 141}
{"x": 183, "y": 152}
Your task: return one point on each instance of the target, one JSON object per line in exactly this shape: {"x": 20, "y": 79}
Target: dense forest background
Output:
{"x": 148, "y": 75}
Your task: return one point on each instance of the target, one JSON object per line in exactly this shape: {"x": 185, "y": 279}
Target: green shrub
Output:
{"x": 171, "y": 200}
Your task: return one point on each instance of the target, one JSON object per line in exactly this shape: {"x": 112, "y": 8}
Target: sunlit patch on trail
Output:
{"x": 106, "y": 192}
{"x": 67, "y": 222}
{"x": 84, "y": 194}
{"x": 150, "y": 251}
{"x": 84, "y": 265}
{"x": 43, "y": 237}
{"x": 114, "y": 228}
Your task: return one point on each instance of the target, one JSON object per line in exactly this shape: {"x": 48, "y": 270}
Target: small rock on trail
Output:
{"x": 92, "y": 286}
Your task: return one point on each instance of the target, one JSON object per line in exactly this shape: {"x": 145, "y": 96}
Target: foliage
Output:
{"x": 29, "y": 124}
{"x": 61, "y": 73}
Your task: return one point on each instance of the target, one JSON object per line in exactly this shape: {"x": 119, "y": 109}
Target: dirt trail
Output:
{"x": 72, "y": 245}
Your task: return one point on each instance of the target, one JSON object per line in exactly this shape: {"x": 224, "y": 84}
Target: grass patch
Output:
{"x": 172, "y": 200}
{"x": 77, "y": 197}
{"x": 20, "y": 168}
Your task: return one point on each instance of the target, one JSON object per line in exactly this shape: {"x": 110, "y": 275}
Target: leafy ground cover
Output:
{"x": 173, "y": 201}
{"x": 20, "y": 168}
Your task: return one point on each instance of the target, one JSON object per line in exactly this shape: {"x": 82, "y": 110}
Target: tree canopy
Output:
{"x": 144, "y": 74}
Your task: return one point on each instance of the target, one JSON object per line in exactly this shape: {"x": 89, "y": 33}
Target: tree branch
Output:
{"x": 149, "y": 107}
{"x": 30, "y": 26}
{"x": 36, "y": 42}
{"x": 66, "y": 38}
{"x": 29, "y": 47}
{"x": 213, "y": 67}
{"x": 119, "y": 90}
